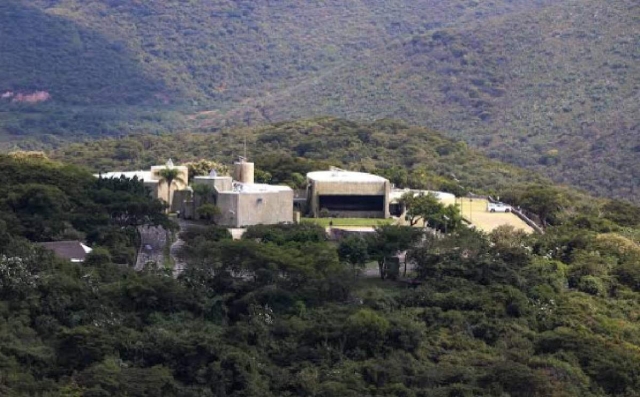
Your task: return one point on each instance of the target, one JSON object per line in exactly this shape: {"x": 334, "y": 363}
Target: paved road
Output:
{"x": 153, "y": 240}
{"x": 178, "y": 263}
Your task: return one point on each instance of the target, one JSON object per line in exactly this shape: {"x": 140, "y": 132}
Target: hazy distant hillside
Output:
{"x": 554, "y": 89}
{"x": 227, "y": 50}
{"x": 549, "y": 84}
{"x": 111, "y": 66}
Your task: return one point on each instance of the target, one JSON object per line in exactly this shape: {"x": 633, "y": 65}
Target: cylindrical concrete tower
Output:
{"x": 243, "y": 171}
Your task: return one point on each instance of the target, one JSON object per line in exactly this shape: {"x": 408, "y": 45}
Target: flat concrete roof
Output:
{"x": 344, "y": 176}
{"x": 257, "y": 188}
{"x": 446, "y": 198}
{"x": 211, "y": 178}
{"x": 147, "y": 176}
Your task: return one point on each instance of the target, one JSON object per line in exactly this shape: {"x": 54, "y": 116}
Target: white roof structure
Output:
{"x": 147, "y": 176}
{"x": 74, "y": 251}
{"x": 258, "y": 188}
{"x": 445, "y": 198}
{"x": 344, "y": 176}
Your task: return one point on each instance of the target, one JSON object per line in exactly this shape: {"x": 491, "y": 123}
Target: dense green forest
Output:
{"x": 117, "y": 52}
{"x": 553, "y": 90}
{"x": 43, "y": 200}
{"x": 548, "y": 85}
{"x": 114, "y": 67}
{"x": 279, "y": 313}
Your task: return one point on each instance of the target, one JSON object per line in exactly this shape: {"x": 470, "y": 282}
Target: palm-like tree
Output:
{"x": 168, "y": 176}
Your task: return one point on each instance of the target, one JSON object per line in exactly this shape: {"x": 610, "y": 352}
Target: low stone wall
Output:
{"x": 522, "y": 216}
{"x": 528, "y": 221}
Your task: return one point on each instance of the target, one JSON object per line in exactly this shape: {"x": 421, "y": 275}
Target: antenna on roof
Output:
{"x": 245, "y": 147}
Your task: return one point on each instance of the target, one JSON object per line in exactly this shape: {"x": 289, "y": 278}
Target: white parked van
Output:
{"x": 499, "y": 207}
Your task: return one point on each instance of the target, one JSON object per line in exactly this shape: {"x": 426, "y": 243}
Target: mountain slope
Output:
{"x": 555, "y": 90}
{"x": 550, "y": 85}
{"x": 113, "y": 67}
{"x": 229, "y": 50}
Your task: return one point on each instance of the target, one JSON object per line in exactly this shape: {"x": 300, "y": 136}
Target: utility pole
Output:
{"x": 245, "y": 146}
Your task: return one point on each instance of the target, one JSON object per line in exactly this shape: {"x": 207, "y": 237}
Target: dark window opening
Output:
{"x": 352, "y": 203}
{"x": 396, "y": 209}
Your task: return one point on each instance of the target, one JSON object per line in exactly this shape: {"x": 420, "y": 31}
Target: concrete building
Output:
{"x": 340, "y": 193}
{"x": 152, "y": 180}
{"x": 242, "y": 202}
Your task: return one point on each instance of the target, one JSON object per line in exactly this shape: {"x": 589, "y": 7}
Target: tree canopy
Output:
{"x": 278, "y": 312}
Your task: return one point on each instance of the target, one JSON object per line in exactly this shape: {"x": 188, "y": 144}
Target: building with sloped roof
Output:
{"x": 74, "y": 251}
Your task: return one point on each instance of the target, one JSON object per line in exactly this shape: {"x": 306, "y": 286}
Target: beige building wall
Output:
{"x": 265, "y": 208}
{"x": 254, "y": 208}
{"x": 219, "y": 183}
{"x": 351, "y": 188}
{"x": 243, "y": 171}
{"x": 248, "y": 204}
{"x": 179, "y": 198}
{"x": 365, "y": 188}
{"x": 162, "y": 187}
{"x": 228, "y": 204}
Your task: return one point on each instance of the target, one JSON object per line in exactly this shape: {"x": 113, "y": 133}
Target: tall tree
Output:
{"x": 169, "y": 175}
{"x": 420, "y": 207}
{"x": 353, "y": 250}
{"x": 428, "y": 208}
{"x": 388, "y": 240}
{"x": 544, "y": 201}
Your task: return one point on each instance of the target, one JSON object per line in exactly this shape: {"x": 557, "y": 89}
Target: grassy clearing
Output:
{"x": 324, "y": 222}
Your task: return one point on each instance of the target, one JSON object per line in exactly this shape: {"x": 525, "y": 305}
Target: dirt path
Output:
{"x": 153, "y": 241}
{"x": 178, "y": 263}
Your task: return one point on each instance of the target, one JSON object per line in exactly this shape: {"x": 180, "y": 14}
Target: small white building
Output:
{"x": 152, "y": 180}
{"x": 244, "y": 203}
{"x": 74, "y": 251}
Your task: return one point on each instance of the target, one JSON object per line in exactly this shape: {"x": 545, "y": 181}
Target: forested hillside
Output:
{"x": 408, "y": 156}
{"x": 554, "y": 90}
{"x": 549, "y": 85}
{"x": 283, "y": 311}
{"x": 213, "y": 51}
